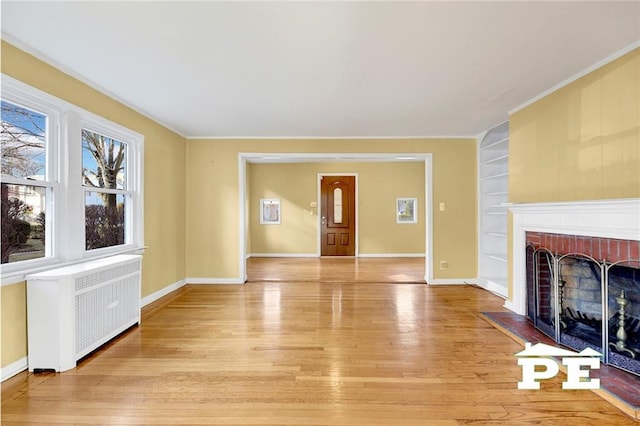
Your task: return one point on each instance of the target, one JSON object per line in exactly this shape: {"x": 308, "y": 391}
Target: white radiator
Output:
{"x": 73, "y": 310}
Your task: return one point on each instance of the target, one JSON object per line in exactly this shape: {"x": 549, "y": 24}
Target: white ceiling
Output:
{"x": 323, "y": 69}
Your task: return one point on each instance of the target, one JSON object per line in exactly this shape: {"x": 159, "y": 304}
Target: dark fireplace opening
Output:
{"x": 624, "y": 316}
{"x": 580, "y": 297}
{"x": 569, "y": 277}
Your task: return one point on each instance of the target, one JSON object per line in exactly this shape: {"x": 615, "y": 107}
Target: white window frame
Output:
{"x": 65, "y": 206}
{"x": 133, "y": 187}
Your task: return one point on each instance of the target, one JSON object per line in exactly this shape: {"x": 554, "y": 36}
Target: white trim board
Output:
{"x": 321, "y": 138}
{"x": 615, "y": 218}
{"x": 491, "y": 286}
{"x": 160, "y": 293}
{"x": 391, "y": 255}
{"x": 283, "y": 255}
{"x": 452, "y": 281}
{"x": 23, "y": 363}
{"x": 95, "y": 86}
{"x": 577, "y": 76}
{"x": 293, "y": 255}
{"x": 279, "y": 157}
{"x": 217, "y": 281}
{"x": 14, "y": 368}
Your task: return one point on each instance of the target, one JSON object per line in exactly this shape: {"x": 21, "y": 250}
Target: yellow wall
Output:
{"x": 14, "y": 323}
{"x": 164, "y": 183}
{"x": 581, "y": 142}
{"x": 296, "y": 186}
{"x": 203, "y": 197}
{"x": 212, "y": 181}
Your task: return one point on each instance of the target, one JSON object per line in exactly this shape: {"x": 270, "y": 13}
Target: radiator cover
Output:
{"x": 73, "y": 310}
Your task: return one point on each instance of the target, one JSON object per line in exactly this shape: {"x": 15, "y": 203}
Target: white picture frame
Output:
{"x": 406, "y": 210}
{"x": 270, "y": 212}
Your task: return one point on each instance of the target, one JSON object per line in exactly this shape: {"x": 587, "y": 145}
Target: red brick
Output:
{"x": 605, "y": 249}
{"x": 573, "y": 244}
{"x": 623, "y": 249}
{"x": 634, "y": 250}
{"x": 595, "y": 248}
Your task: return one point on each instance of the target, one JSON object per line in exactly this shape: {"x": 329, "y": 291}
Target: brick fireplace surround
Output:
{"x": 605, "y": 219}
{"x": 579, "y": 227}
{"x": 611, "y": 249}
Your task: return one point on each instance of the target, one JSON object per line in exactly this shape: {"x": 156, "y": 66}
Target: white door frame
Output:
{"x": 276, "y": 158}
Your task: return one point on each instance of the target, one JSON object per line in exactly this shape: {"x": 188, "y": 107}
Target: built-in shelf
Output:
{"x": 496, "y": 175}
{"x": 493, "y": 175}
{"x": 492, "y": 144}
{"x": 497, "y": 234}
{"x": 497, "y": 257}
{"x": 497, "y": 159}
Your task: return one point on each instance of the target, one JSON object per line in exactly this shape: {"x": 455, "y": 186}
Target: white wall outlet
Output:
{"x": 444, "y": 264}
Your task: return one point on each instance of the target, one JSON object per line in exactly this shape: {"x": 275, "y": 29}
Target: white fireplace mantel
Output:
{"x": 616, "y": 218}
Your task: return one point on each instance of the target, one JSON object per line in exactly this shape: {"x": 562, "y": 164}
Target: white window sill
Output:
{"x": 18, "y": 275}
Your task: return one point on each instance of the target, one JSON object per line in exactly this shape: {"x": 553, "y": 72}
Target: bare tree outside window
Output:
{"x": 66, "y": 195}
{"x": 23, "y": 138}
{"x": 103, "y": 168}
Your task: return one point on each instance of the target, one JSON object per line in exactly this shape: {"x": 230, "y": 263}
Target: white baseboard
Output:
{"x": 391, "y": 255}
{"x": 214, "y": 281}
{"x": 510, "y": 306}
{"x": 284, "y": 255}
{"x": 493, "y": 287}
{"x": 162, "y": 292}
{"x": 23, "y": 364}
{"x": 452, "y": 281}
{"x": 14, "y": 368}
{"x": 317, "y": 255}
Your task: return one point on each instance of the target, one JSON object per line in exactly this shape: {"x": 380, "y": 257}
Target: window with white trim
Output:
{"x": 63, "y": 166}
{"x": 104, "y": 167}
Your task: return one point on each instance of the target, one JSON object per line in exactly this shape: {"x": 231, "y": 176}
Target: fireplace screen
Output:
{"x": 580, "y": 298}
{"x": 623, "y": 305}
{"x": 566, "y": 294}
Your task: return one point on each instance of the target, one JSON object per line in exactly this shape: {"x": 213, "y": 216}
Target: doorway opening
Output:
{"x": 283, "y": 158}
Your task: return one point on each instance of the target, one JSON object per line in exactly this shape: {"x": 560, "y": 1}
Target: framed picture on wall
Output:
{"x": 406, "y": 210}
{"x": 270, "y": 211}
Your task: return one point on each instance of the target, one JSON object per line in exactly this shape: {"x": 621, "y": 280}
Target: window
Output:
{"x": 104, "y": 161}
{"x": 63, "y": 166}
{"x": 26, "y": 182}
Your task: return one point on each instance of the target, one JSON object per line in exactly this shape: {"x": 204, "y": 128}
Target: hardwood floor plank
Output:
{"x": 304, "y": 352}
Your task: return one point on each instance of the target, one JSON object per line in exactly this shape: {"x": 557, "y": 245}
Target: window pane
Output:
{"x": 23, "y": 139}
{"x": 103, "y": 161}
{"x": 104, "y": 220}
{"x": 337, "y": 205}
{"x": 23, "y": 222}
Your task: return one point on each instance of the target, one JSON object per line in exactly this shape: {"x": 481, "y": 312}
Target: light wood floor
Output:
{"x": 337, "y": 269}
{"x": 304, "y": 352}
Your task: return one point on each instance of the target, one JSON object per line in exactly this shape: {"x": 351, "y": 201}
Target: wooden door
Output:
{"x": 338, "y": 215}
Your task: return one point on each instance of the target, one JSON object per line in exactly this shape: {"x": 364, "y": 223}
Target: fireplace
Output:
{"x": 568, "y": 279}
{"x": 576, "y": 275}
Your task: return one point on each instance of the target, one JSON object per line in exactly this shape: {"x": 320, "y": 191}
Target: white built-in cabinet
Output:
{"x": 493, "y": 170}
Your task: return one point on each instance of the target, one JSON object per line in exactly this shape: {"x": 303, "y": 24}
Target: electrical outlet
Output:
{"x": 444, "y": 264}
